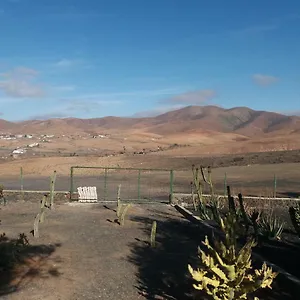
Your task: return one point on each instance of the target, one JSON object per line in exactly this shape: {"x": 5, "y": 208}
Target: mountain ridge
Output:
{"x": 239, "y": 120}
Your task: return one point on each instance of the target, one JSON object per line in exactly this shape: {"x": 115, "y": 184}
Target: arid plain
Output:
{"x": 174, "y": 140}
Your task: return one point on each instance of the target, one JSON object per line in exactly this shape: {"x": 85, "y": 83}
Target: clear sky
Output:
{"x": 92, "y": 58}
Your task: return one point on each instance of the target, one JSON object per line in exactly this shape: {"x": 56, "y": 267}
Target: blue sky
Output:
{"x": 95, "y": 58}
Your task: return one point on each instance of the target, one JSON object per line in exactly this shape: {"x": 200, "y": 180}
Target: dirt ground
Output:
{"x": 83, "y": 254}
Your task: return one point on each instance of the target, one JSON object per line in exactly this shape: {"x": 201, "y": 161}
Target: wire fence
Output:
{"x": 156, "y": 184}
{"x": 136, "y": 184}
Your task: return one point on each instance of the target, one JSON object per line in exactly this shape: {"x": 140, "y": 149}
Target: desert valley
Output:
{"x": 193, "y": 131}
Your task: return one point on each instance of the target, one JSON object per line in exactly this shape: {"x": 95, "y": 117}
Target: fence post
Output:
{"x": 52, "y": 188}
{"x": 139, "y": 184}
{"x": 171, "y": 186}
{"x": 71, "y": 183}
{"x": 275, "y": 186}
{"x": 22, "y": 182}
{"x": 105, "y": 184}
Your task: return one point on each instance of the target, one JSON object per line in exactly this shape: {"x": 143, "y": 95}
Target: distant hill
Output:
{"x": 238, "y": 120}
{"x": 6, "y": 125}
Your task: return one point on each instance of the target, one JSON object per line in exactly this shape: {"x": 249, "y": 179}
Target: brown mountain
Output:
{"x": 6, "y": 126}
{"x": 239, "y": 120}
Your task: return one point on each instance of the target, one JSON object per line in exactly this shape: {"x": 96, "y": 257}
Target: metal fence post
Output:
{"x": 22, "y": 182}
{"x": 171, "y": 186}
{"x": 139, "y": 184}
{"x": 105, "y": 184}
{"x": 52, "y": 189}
{"x": 71, "y": 183}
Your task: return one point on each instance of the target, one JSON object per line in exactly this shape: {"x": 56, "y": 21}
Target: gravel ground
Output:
{"x": 90, "y": 258}
{"x": 83, "y": 254}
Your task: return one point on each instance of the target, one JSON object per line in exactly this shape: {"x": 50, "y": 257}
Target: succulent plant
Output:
{"x": 227, "y": 272}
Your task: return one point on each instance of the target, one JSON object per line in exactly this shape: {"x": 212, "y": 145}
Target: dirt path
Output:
{"x": 90, "y": 256}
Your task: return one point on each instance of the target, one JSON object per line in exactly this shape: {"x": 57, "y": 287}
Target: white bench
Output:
{"x": 87, "y": 194}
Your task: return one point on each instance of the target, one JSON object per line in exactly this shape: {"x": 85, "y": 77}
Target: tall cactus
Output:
{"x": 245, "y": 217}
{"x": 42, "y": 209}
{"x": 208, "y": 179}
{"x": 40, "y": 217}
{"x": 231, "y": 204}
{"x": 199, "y": 179}
{"x": 197, "y": 184}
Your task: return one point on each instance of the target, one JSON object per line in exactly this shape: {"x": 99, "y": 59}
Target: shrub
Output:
{"x": 10, "y": 250}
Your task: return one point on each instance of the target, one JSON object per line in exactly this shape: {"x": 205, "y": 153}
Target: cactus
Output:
{"x": 295, "y": 218}
{"x": 206, "y": 212}
{"x": 208, "y": 179}
{"x": 197, "y": 184}
{"x": 40, "y": 217}
{"x": 42, "y": 211}
{"x": 193, "y": 197}
{"x": 231, "y": 204}
{"x": 246, "y": 219}
{"x": 121, "y": 208}
{"x": 153, "y": 234}
{"x": 254, "y": 220}
{"x": 227, "y": 272}
{"x": 123, "y": 214}
{"x": 215, "y": 209}
{"x": 52, "y": 188}
{"x": 36, "y": 226}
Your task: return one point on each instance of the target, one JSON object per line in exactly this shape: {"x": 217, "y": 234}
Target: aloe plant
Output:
{"x": 270, "y": 227}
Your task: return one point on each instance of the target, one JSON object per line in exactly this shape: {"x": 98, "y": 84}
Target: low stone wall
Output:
{"x": 34, "y": 196}
{"x": 185, "y": 200}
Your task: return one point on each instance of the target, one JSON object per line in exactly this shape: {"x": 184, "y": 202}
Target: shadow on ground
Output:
{"x": 162, "y": 271}
{"x": 291, "y": 194}
{"x": 21, "y": 262}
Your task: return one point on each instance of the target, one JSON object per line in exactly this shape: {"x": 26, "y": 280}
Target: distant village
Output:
{"x": 29, "y": 142}
{"x": 43, "y": 138}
